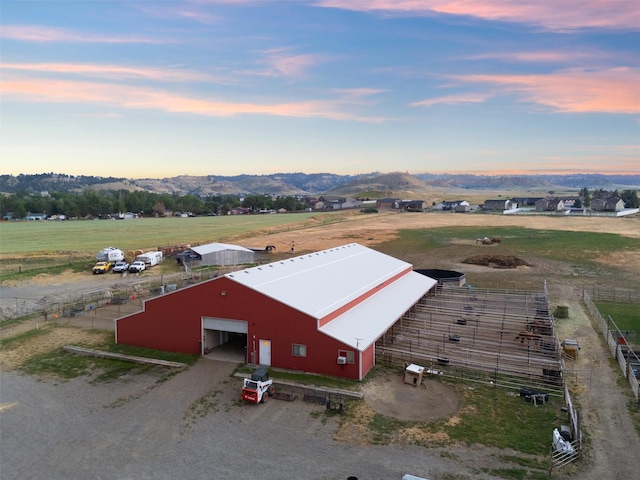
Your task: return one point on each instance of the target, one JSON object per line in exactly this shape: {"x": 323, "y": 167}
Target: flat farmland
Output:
{"x": 311, "y": 231}
{"x": 90, "y": 236}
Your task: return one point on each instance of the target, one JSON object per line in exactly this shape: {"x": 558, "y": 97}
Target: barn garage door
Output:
{"x": 225, "y": 325}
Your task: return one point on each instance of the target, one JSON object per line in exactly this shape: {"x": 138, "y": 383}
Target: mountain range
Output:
{"x": 375, "y": 184}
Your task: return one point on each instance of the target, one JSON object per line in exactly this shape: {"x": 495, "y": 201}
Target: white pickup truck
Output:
{"x": 137, "y": 266}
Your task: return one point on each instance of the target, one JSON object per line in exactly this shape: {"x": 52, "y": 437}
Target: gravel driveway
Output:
{"x": 192, "y": 426}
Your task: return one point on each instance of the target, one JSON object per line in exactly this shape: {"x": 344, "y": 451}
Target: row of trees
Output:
{"x": 101, "y": 203}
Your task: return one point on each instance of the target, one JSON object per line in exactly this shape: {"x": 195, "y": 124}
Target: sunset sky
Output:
{"x": 224, "y": 87}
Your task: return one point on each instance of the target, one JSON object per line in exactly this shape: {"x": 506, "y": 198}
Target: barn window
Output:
{"x": 346, "y": 353}
{"x": 298, "y": 350}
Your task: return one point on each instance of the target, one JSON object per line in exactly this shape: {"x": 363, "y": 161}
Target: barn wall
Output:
{"x": 368, "y": 359}
{"x": 173, "y": 323}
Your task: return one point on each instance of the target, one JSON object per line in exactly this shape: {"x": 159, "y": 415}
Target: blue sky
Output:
{"x": 163, "y": 88}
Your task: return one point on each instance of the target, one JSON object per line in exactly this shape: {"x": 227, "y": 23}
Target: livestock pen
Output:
{"x": 504, "y": 338}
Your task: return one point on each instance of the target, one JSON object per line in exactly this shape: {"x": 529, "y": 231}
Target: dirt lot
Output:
{"x": 611, "y": 437}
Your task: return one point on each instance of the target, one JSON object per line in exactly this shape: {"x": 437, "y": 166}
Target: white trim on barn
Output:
{"x": 366, "y": 322}
{"x": 225, "y": 325}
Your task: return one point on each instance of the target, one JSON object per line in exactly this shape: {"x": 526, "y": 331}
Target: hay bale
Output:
{"x": 562, "y": 311}
{"x": 571, "y": 351}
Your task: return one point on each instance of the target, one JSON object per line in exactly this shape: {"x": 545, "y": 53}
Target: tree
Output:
{"x": 630, "y": 198}
{"x": 158, "y": 209}
{"x": 12, "y": 204}
{"x": 255, "y": 202}
{"x": 586, "y": 196}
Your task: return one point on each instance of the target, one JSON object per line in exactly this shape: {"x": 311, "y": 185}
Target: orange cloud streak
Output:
{"x": 132, "y": 97}
{"x": 610, "y": 91}
{"x": 572, "y": 91}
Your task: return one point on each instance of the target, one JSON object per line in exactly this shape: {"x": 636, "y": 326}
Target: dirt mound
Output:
{"x": 497, "y": 261}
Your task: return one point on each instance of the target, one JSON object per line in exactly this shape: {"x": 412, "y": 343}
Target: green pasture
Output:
{"x": 574, "y": 247}
{"x": 91, "y": 236}
{"x": 625, "y": 315}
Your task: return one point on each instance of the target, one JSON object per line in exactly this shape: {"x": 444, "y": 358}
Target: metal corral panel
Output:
{"x": 367, "y": 321}
{"x": 319, "y": 283}
{"x": 225, "y": 325}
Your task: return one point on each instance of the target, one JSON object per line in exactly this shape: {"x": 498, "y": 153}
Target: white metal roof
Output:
{"x": 217, "y": 247}
{"x": 363, "y": 324}
{"x": 320, "y": 283}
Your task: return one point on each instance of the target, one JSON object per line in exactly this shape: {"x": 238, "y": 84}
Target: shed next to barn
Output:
{"x": 320, "y": 312}
{"x": 220, "y": 254}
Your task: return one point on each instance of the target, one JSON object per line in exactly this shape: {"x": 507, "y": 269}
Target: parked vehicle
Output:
{"x": 102, "y": 267}
{"x": 137, "y": 266}
{"x": 150, "y": 258}
{"x": 110, "y": 254}
{"x": 259, "y": 387}
{"x": 120, "y": 267}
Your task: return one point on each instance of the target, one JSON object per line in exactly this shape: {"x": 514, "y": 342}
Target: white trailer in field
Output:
{"x": 150, "y": 258}
{"x": 110, "y": 254}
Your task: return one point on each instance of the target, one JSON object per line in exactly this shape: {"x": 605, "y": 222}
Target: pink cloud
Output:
{"x": 64, "y": 91}
{"x": 111, "y": 71}
{"x": 280, "y": 63}
{"x": 567, "y": 57}
{"x": 452, "y": 99}
{"x": 37, "y": 33}
{"x": 573, "y": 91}
{"x": 551, "y": 15}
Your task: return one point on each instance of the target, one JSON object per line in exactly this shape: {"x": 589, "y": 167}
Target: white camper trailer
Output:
{"x": 150, "y": 258}
{"x": 110, "y": 254}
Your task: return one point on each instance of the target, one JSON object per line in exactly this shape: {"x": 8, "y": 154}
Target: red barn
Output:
{"x": 320, "y": 312}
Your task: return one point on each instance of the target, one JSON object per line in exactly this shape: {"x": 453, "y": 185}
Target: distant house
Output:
{"x": 386, "y": 203}
{"x": 412, "y": 205}
{"x": 451, "y": 204}
{"x": 238, "y": 211}
{"x": 463, "y": 207}
{"x": 526, "y": 201}
{"x": 611, "y": 204}
{"x": 550, "y": 204}
{"x": 331, "y": 202}
{"x": 570, "y": 201}
{"x": 499, "y": 205}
